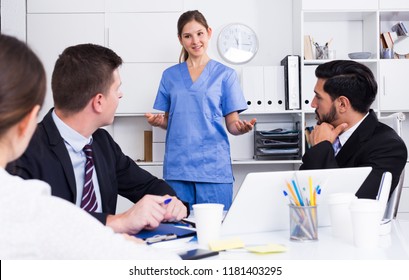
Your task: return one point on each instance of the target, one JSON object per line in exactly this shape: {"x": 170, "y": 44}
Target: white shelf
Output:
{"x": 343, "y": 15}
{"x": 149, "y": 163}
{"x": 118, "y": 115}
{"x": 322, "y": 61}
{"x": 245, "y": 113}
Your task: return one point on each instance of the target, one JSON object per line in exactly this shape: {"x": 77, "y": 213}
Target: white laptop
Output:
{"x": 260, "y": 204}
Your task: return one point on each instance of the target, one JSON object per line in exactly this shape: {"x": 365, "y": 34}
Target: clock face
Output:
{"x": 237, "y": 43}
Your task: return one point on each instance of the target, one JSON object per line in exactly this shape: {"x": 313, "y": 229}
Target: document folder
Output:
{"x": 292, "y": 82}
{"x": 165, "y": 230}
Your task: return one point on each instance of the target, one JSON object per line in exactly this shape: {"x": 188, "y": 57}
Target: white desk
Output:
{"x": 394, "y": 246}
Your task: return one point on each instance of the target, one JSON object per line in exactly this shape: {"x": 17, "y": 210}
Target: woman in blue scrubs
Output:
{"x": 196, "y": 95}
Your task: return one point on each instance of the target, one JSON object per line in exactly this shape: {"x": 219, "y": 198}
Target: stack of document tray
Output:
{"x": 278, "y": 143}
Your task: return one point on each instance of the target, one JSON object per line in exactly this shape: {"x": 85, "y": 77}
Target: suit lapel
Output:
{"x": 364, "y": 131}
{"x": 57, "y": 145}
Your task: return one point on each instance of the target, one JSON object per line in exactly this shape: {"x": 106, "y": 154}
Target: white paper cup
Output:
{"x": 340, "y": 215}
{"x": 208, "y": 218}
{"x": 365, "y": 222}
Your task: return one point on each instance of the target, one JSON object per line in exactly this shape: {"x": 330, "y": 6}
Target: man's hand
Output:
{"x": 326, "y": 132}
{"x": 147, "y": 213}
{"x": 175, "y": 210}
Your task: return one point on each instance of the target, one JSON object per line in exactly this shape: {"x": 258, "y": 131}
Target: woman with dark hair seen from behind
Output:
{"x": 31, "y": 224}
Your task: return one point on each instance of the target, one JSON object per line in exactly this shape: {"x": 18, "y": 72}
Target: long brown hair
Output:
{"x": 22, "y": 81}
{"x": 185, "y": 18}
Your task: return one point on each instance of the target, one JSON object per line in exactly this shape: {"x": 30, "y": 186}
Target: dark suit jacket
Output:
{"x": 47, "y": 159}
{"x": 372, "y": 144}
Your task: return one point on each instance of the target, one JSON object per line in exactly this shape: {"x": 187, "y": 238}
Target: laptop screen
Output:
{"x": 261, "y": 206}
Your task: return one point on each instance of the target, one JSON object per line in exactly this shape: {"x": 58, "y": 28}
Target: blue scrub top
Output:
{"x": 197, "y": 146}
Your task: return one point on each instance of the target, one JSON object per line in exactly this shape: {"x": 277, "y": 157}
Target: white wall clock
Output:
{"x": 237, "y": 43}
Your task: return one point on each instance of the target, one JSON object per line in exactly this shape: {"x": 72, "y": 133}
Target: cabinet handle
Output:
{"x": 384, "y": 85}
{"x": 107, "y": 37}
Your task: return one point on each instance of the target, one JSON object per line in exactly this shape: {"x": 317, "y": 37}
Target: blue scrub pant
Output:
{"x": 198, "y": 192}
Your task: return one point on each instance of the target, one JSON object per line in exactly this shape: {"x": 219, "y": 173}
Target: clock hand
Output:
{"x": 237, "y": 41}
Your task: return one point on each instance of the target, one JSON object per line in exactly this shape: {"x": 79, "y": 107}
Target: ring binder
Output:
{"x": 292, "y": 82}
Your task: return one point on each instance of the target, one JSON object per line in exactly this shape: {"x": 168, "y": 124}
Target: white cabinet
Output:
{"x": 393, "y": 90}
{"x": 137, "y": 39}
{"x": 50, "y": 34}
{"x": 147, "y": 50}
{"x": 64, "y": 6}
{"x": 339, "y": 5}
{"x": 142, "y": 33}
{"x": 132, "y": 6}
{"x": 393, "y": 4}
{"x": 140, "y": 82}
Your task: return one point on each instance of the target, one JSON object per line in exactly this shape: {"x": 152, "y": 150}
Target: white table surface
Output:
{"x": 392, "y": 246}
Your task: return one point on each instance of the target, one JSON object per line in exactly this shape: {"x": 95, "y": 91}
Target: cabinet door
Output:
{"x": 144, "y": 37}
{"x": 393, "y": 89}
{"x": 340, "y": 5}
{"x": 140, "y": 83}
{"x": 50, "y": 34}
{"x": 131, "y": 6}
{"x": 65, "y": 6}
{"x": 393, "y": 4}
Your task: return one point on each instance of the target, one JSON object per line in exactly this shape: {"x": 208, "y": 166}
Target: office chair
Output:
{"x": 394, "y": 121}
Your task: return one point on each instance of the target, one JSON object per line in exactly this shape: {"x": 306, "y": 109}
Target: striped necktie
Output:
{"x": 336, "y": 146}
{"x": 89, "y": 200}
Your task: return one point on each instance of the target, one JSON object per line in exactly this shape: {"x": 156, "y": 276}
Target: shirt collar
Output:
{"x": 343, "y": 138}
{"x": 70, "y": 136}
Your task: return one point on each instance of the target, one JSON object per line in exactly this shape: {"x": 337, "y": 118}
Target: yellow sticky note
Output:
{"x": 226, "y": 244}
{"x": 267, "y": 249}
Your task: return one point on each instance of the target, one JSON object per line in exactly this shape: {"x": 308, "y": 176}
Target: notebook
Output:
{"x": 261, "y": 206}
{"x": 166, "y": 229}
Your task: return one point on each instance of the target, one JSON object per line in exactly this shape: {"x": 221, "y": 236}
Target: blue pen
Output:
{"x": 289, "y": 197}
{"x": 298, "y": 193}
{"x": 166, "y": 202}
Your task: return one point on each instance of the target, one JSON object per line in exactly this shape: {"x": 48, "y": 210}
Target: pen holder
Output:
{"x": 303, "y": 223}
{"x": 321, "y": 52}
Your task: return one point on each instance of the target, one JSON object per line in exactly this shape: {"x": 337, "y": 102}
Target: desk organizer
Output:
{"x": 277, "y": 141}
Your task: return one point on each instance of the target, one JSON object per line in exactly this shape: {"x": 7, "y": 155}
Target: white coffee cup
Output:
{"x": 208, "y": 218}
{"x": 365, "y": 215}
{"x": 340, "y": 215}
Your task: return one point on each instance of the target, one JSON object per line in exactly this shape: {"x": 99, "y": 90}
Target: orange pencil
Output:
{"x": 293, "y": 194}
